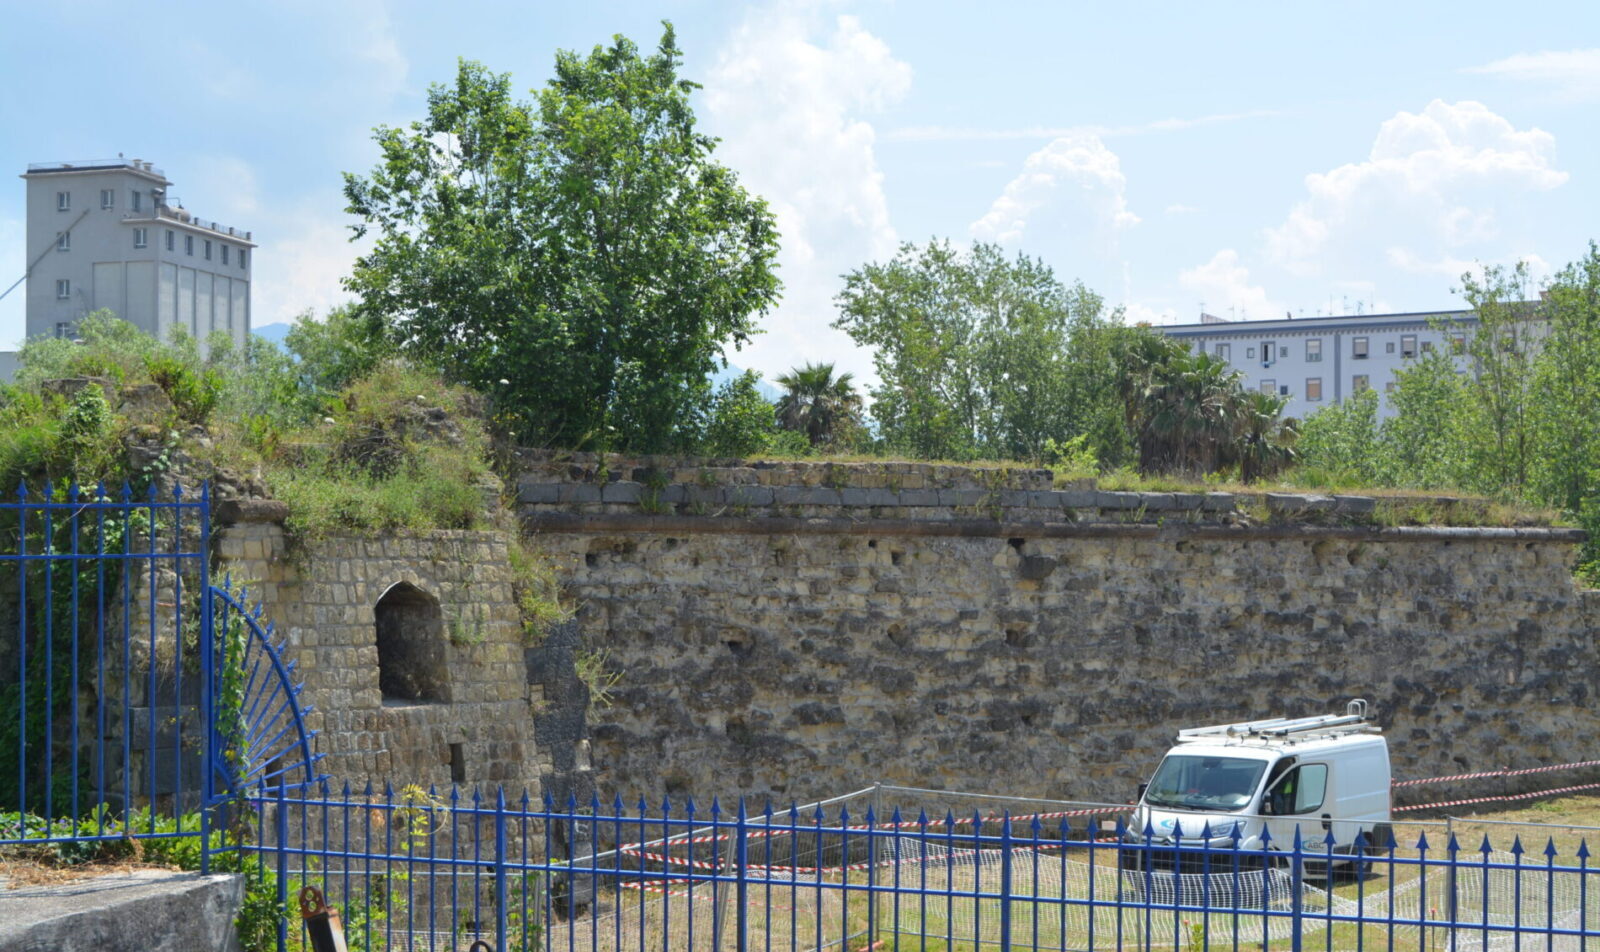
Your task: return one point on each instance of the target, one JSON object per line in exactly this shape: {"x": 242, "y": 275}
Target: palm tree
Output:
{"x": 817, "y": 403}
{"x": 1263, "y": 440}
{"x": 1180, "y": 407}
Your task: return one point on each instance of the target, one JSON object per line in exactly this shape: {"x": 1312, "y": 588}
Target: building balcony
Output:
{"x": 183, "y": 217}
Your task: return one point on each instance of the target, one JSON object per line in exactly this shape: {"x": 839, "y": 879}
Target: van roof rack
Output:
{"x": 1354, "y": 720}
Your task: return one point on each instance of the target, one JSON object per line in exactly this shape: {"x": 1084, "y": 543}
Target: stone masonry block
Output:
{"x": 749, "y": 496}
{"x": 1292, "y": 502}
{"x": 578, "y": 492}
{"x": 623, "y": 491}
{"x": 1355, "y": 505}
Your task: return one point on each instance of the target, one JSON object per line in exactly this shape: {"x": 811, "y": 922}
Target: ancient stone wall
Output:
{"x": 459, "y": 706}
{"x": 794, "y": 630}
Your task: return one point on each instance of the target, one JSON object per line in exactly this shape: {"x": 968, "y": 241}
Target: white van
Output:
{"x": 1317, "y": 775}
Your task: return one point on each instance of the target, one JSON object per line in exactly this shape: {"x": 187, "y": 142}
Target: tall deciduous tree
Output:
{"x": 584, "y": 248}
{"x": 972, "y": 349}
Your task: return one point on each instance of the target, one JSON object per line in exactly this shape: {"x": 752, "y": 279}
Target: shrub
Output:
{"x": 193, "y": 390}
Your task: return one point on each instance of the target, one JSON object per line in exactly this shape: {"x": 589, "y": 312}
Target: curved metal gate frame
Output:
{"x": 258, "y": 732}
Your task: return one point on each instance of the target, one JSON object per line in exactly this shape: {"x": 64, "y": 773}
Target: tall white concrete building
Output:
{"x": 1317, "y": 361}
{"x": 109, "y": 234}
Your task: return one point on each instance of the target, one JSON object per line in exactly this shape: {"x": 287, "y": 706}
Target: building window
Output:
{"x": 1268, "y": 350}
{"x": 1283, "y": 351}
{"x": 1358, "y": 383}
{"x": 170, "y": 239}
{"x": 208, "y": 249}
{"x": 1427, "y": 347}
{"x": 1222, "y": 351}
{"x": 224, "y": 254}
{"x": 1408, "y": 345}
{"x": 141, "y": 238}
{"x": 1358, "y": 348}
{"x": 108, "y": 198}
{"x": 63, "y": 289}
{"x": 63, "y": 201}
{"x": 1249, "y": 353}
{"x": 135, "y": 200}
{"x": 411, "y": 645}
{"x": 1388, "y": 347}
{"x": 64, "y": 241}
{"x": 1313, "y": 388}
{"x": 1269, "y": 386}
{"x": 188, "y": 244}
{"x": 1314, "y": 350}
{"x": 1388, "y": 387}
{"x": 63, "y": 329}
{"x": 1458, "y": 343}
{"x": 241, "y": 259}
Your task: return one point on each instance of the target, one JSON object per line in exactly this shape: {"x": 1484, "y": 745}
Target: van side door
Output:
{"x": 1297, "y": 800}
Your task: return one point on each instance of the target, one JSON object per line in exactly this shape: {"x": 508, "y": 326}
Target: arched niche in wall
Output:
{"x": 411, "y": 645}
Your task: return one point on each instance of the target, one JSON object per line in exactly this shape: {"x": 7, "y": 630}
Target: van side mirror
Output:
{"x": 1139, "y": 797}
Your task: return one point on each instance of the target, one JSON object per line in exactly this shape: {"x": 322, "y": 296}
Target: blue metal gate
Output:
{"x": 135, "y": 696}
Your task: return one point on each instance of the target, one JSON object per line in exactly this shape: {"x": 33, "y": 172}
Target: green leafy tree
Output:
{"x": 338, "y": 350}
{"x": 1341, "y": 439}
{"x": 971, "y": 348}
{"x": 1566, "y": 410}
{"x": 585, "y": 248}
{"x": 1420, "y": 444}
{"x": 739, "y": 421}
{"x": 819, "y": 404}
{"x": 1498, "y": 422}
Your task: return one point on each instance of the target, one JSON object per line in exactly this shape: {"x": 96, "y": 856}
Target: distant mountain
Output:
{"x": 731, "y": 372}
{"x": 274, "y": 332}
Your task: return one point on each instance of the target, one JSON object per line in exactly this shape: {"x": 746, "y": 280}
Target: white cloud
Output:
{"x": 1181, "y": 209}
{"x": 1222, "y": 287}
{"x": 300, "y": 267}
{"x": 1572, "y": 74}
{"x": 1078, "y": 169}
{"x": 789, "y": 95}
{"x": 1453, "y": 267}
{"x": 1442, "y": 177}
{"x": 1137, "y": 313}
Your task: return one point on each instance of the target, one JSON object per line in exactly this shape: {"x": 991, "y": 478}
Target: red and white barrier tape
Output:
{"x": 667, "y": 860}
{"x": 1487, "y": 774}
{"x": 766, "y": 830}
{"x": 1498, "y": 799}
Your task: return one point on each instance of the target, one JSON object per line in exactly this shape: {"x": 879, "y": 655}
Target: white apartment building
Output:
{"x": 107, "y": 234}
{"x": 1316, "y": 361}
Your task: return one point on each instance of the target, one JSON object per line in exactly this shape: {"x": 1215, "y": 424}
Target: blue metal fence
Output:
{"x": 421, "y": 870}
{"x": 105, "y": 641}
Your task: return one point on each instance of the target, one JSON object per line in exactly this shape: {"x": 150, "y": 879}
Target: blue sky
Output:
{"x": 1259, "y": 158}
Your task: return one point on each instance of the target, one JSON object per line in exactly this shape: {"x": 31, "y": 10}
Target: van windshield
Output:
{"x": 1191, "y": 782}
